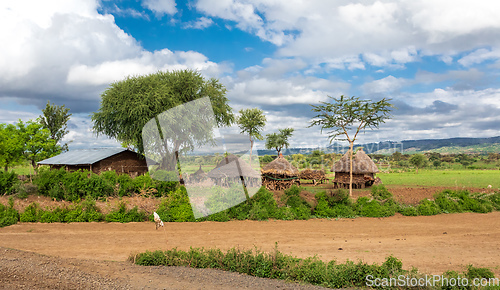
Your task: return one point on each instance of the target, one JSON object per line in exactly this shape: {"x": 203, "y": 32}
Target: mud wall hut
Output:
{"x": 279, "y": 174}
{"x": 363, "y": 173}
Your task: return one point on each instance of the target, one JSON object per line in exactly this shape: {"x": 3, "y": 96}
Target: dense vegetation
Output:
{"x": 311, "y": 270}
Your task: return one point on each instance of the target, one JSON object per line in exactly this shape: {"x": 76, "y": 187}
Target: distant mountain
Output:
{"x": 450, "y": 145}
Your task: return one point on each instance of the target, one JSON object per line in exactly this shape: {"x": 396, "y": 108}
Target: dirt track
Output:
{"x": 432, "y": 244}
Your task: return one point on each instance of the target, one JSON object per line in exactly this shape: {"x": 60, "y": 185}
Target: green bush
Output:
{"x": 8, "y": 215}
{"x": 409, "y": 211}
{"x": 428, "y": 207}
{"x": 122, "y": 215}
{"x": 84, "y": 211}
{"x": 276, "y": 265}
{"x": 7, "y": 182}
{"x": 31, "y": 213}
{"x": 176, "y": 207}
{"x": 380, "y": 192}
{"x": 374, "y": 208}
{"x": 334, "y": 206}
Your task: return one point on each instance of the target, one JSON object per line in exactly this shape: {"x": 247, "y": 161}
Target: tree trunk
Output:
{"x": 251, "y": 147}
{"x": 6, "y": 168}
{"x": 416, "y": 170}
{"x": 351, "y": 147}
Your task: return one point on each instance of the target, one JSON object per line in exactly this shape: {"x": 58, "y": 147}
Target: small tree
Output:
{"x": 11, "y": 146}
{"x": 279, "y": 140}
{"x": 344, "y": 114}
{"x": 55, "y": 119}
{"x": 418, "y": 160}
{"x": 252, "y": 122}
{"x": 38, "y": 144}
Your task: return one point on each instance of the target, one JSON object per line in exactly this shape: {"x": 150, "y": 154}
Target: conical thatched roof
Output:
{"x": 361, "y": 164}
{"x": 280, "y": 166}
{"x": 228, "y": 167}
{"x": 199, "y": 172}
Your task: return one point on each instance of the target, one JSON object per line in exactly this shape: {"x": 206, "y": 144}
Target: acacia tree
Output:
{"x": 417, "y": 160}
{"x": 347, "y": 116}
{"x": 252, "y": 122}
{"x": 127, "y": 105}
{"x": 55, "y": 119}
{"x": 279, "y": 140}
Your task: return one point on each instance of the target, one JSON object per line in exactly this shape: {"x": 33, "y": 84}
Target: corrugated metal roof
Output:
{"x": 82, "y": 156}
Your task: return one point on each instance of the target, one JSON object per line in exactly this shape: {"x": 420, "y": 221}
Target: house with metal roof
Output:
{"x": 98, "y": 160}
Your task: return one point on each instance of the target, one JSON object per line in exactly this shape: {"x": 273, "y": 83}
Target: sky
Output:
{"x": 438, "y": 61}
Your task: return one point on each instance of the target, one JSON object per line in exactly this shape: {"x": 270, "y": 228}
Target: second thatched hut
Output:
{"x": 363, "y": 171}
{"x": 279, "y": 174}
{"x": 234, "y": 169}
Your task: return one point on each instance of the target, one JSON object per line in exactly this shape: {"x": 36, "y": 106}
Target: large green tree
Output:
{"x": 55, "y": 119}
{"x": 127, "y": 105}
{"x": 252, "y": 122}
{"x": 38, "y": 144}
{"x": 279, "y": 140}
{"x": 11, "y": 146}
{"x": 347, "y": 116}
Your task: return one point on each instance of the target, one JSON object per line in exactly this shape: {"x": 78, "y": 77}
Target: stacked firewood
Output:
{"x": 273, "y": 184}
{"x": 314, "y": 175}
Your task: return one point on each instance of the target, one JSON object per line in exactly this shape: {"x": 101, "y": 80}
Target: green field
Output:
{"x": 451, "y": 178}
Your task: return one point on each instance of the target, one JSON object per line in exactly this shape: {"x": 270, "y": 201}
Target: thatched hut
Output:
{"x": 314, "y": 175}
{"x": 198, "y": 176}
{"x": 363, "y": 171}
{"x": 279, "y": 174}
{"x": 233, "y": 169}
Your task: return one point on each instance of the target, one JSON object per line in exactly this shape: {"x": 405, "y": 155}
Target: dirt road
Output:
{"x": 432, "y": 244}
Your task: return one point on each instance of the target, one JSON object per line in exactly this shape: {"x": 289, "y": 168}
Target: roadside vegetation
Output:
{"x": 312, "y": 270}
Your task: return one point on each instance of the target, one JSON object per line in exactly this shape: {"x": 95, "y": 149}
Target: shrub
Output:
{"x": 84, "y": 211}
{"x": 176, "y": 207}
{"x": 8, "y": 215}
{"x": 31, "y": 213}
{"x": 428, "y": 207}
{"x": 7, "y": 182}
{"x": 409, "y": 211}
{"x": 339, "y": 196}
{"x": 122, "y": 215}
{"x": 276, "y": 265}
{"x": 380, "y": 192}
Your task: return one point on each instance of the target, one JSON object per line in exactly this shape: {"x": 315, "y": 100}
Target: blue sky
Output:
{"x": 439, "y": 61}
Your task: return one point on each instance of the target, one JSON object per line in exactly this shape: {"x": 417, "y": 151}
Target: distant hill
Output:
{"x": 450, "y": 145}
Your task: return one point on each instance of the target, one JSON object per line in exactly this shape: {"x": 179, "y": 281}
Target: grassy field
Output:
{"x": 451, "y": 178}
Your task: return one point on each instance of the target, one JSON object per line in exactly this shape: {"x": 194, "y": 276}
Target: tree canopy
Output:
{"x": 252, "y": 122}
{"x": 418, "y": 160}
{"x": 127, "y": 105}
{"x": 347, "y": 116}
{"x": 11, "y": 145}
{"x": 279, "y": 140}
{"x": 55, "y": 119}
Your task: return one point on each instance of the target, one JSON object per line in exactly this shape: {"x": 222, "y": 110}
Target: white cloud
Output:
{"x": 386, "y": 85}
{"x": 107, "y": 72}
{"x": 479, "y": 56}
{"x": 385, "y": 32}
{"x": 69, "y": 52}
{"x": 161, "y": 7}
{"x": 200, "y": 23}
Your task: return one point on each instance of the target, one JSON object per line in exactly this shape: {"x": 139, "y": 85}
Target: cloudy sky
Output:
{"x": 439, "y": 61}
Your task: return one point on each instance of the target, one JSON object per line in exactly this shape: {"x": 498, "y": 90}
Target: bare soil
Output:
{"x": 433, "y": 244}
